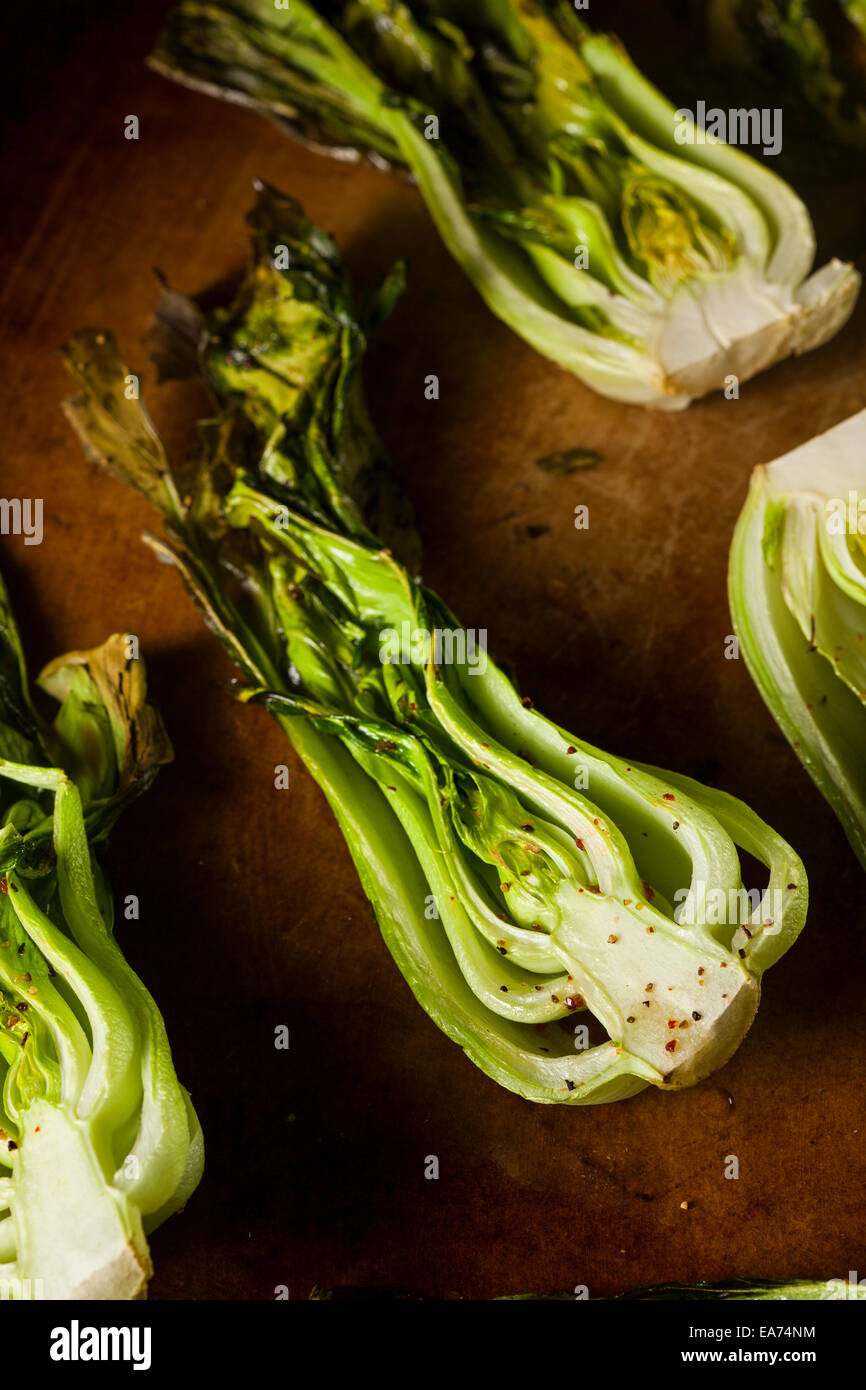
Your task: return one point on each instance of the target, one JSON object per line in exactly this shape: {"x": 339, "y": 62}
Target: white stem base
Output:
{"x": 77, "y": 1235}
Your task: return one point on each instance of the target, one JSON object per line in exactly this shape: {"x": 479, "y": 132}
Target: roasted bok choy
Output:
{"x": 98, "y": 1140}
{"x": 733, "y": 1291}
{"x": 814, "y": 49}
{"x": 754, "y": 1291}
{"x": 522, "y": 879}
{"x": 797, "y": 588}
{"x": 593, "y": 218}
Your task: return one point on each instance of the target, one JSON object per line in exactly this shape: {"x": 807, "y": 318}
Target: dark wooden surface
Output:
{"x": 251, "y": 912}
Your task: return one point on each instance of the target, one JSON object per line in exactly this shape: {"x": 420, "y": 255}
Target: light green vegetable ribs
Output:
{"x": 599, "y": 223}
{"x": 797, "y": 587}
{"x": 577, "y": 923}
{"x": 99, "y": 1143}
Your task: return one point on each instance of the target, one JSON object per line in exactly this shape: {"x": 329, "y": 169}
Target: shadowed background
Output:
{"x": 251, "y": 913}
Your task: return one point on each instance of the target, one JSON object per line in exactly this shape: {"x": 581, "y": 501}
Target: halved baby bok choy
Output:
{"x": 599, "y": 223}
{"x": 816, "y": 49}
{"x": 754, "y": 1291}
{"x": 99, "y": 1143}
{"x": 797, "y": 589}
{"x": 732, "y": 1291}
{"x": 525, "y": 882}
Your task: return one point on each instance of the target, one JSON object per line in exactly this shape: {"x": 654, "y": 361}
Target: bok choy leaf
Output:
{"x": 797, "y": 588}
{"x": 99, "y": 1142}
{"x": 596, "y": 221}
{"x": 576, "y": 922}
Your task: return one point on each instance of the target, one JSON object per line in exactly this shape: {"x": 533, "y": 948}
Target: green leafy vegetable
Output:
{"x": 98, "y": 1141}
{"x": 797, "y": 587}
{"x": 523, "y": 880}
{"x": 815, "y": 51}
{"x": 651, "y": 266}
{"x": 734, "y": 1291}
{"x": 755, "y": 1291}
{"x": 856, "y": 13}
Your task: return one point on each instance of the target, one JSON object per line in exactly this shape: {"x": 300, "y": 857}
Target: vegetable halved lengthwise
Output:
{"x": 755, "y": 1291}
{"x": 605, "y": 228}
{"x": 813, "y": 50}
{"x": 797, "y": 589}
{"x": 577, "y": 923}
{"x": 98, "y": 1140}
{"x": 733, "y": 1291}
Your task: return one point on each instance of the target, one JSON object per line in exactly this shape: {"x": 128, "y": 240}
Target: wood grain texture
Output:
{"x": 251, "y": 912}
